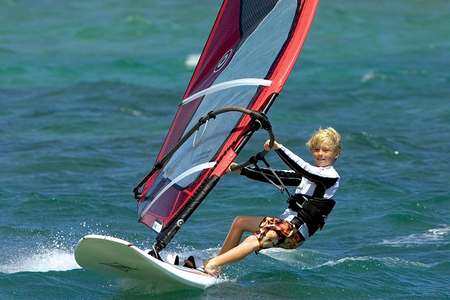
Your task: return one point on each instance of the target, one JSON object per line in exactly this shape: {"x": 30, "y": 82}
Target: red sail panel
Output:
{"x": 247, "y": 58}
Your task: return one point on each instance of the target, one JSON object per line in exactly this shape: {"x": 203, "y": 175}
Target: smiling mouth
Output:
{"x": 323, "y": 162}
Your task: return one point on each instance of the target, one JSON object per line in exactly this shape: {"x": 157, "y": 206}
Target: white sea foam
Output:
{"x": 368, "y": 76}
{"x": 47, "y": 260}
{"x": 315, "y": 260}
{"x": 431, "y": 236}
{"x": 191, "y": 60}
{"x": 387, "y": 261}
{"x": 303, "y": 258}
{"x": 133, "y": 112}
{"x": 372, "y": 75}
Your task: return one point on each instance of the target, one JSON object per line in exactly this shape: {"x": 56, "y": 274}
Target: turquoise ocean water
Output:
{"x": 89, "y": 88}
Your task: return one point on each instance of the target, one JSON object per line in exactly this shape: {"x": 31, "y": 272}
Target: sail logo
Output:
{"x": 224, "y": 60}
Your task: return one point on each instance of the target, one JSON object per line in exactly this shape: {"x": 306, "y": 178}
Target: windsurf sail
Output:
{"x": 248, "y": 56}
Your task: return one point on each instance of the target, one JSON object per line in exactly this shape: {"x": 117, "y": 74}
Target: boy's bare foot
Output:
{"x": 211, "y": 269}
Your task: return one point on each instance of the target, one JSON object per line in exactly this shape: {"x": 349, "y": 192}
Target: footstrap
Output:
{"x": 194, "y": 262}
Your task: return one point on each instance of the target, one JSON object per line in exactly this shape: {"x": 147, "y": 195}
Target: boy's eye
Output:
{"x": 323, "y": 149}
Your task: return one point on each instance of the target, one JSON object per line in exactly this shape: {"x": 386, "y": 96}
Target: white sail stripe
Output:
{"x": 180, "y": 177}
{"x": 226, "y": 85}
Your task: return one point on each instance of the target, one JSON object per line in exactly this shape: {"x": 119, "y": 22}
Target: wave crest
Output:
{"x": 46, "y": 261}
{"x": 431, "y": 236}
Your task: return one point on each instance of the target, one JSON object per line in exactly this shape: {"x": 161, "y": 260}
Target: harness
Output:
{"x": 312, "y": 211}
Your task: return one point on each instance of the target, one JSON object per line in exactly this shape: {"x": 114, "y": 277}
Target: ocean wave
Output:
{"x": 386, "y": 261}
{"x": 48, "y": 260}
{"x": 436, "y": 236}
{"x": 311, "y": 260}
{"x": 305, "y": 258}
{"x": 372, "y": 75}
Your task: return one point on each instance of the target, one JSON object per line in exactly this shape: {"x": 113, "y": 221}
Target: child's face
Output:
{"x": 324, "y": 155}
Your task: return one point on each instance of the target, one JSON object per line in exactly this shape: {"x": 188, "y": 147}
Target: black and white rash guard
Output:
{"x": 318, "y": 182}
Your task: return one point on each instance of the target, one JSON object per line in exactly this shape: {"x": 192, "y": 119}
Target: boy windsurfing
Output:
{"x": 307, "y": 209}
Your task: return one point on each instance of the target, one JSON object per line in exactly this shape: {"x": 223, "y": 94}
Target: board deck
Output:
{"x": 118, "y": 257}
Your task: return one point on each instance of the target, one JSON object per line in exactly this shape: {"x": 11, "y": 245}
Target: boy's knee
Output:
{"x": 246, "y": 224}
{"x": 239, "y": 222}
{"x": 253, "y": 243}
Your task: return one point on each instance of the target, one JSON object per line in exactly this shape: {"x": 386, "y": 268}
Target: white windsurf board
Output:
{"x": 118, "y": 257}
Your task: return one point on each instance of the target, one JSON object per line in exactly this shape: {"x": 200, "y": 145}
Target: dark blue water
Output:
{"x": 88, "y": 90}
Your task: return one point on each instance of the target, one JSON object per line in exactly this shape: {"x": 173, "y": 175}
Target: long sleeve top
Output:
{"x": 320, "y": 182}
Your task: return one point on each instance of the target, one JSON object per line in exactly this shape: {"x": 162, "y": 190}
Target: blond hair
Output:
{"x": 326, "y": 136}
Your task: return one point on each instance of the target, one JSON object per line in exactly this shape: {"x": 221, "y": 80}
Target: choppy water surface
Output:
{"x": 88, "y": 90}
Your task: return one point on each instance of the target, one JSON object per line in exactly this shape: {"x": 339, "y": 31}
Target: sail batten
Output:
{"x": 193, "y": 170}
{"x": 227, "y": 85}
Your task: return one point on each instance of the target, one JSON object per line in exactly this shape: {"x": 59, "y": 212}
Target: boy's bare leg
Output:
{"x": 249, "y": 245}
{"x": 240, "y": 225}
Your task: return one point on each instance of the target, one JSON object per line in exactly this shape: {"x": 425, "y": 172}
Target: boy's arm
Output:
{"x": 288, "y": 178}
